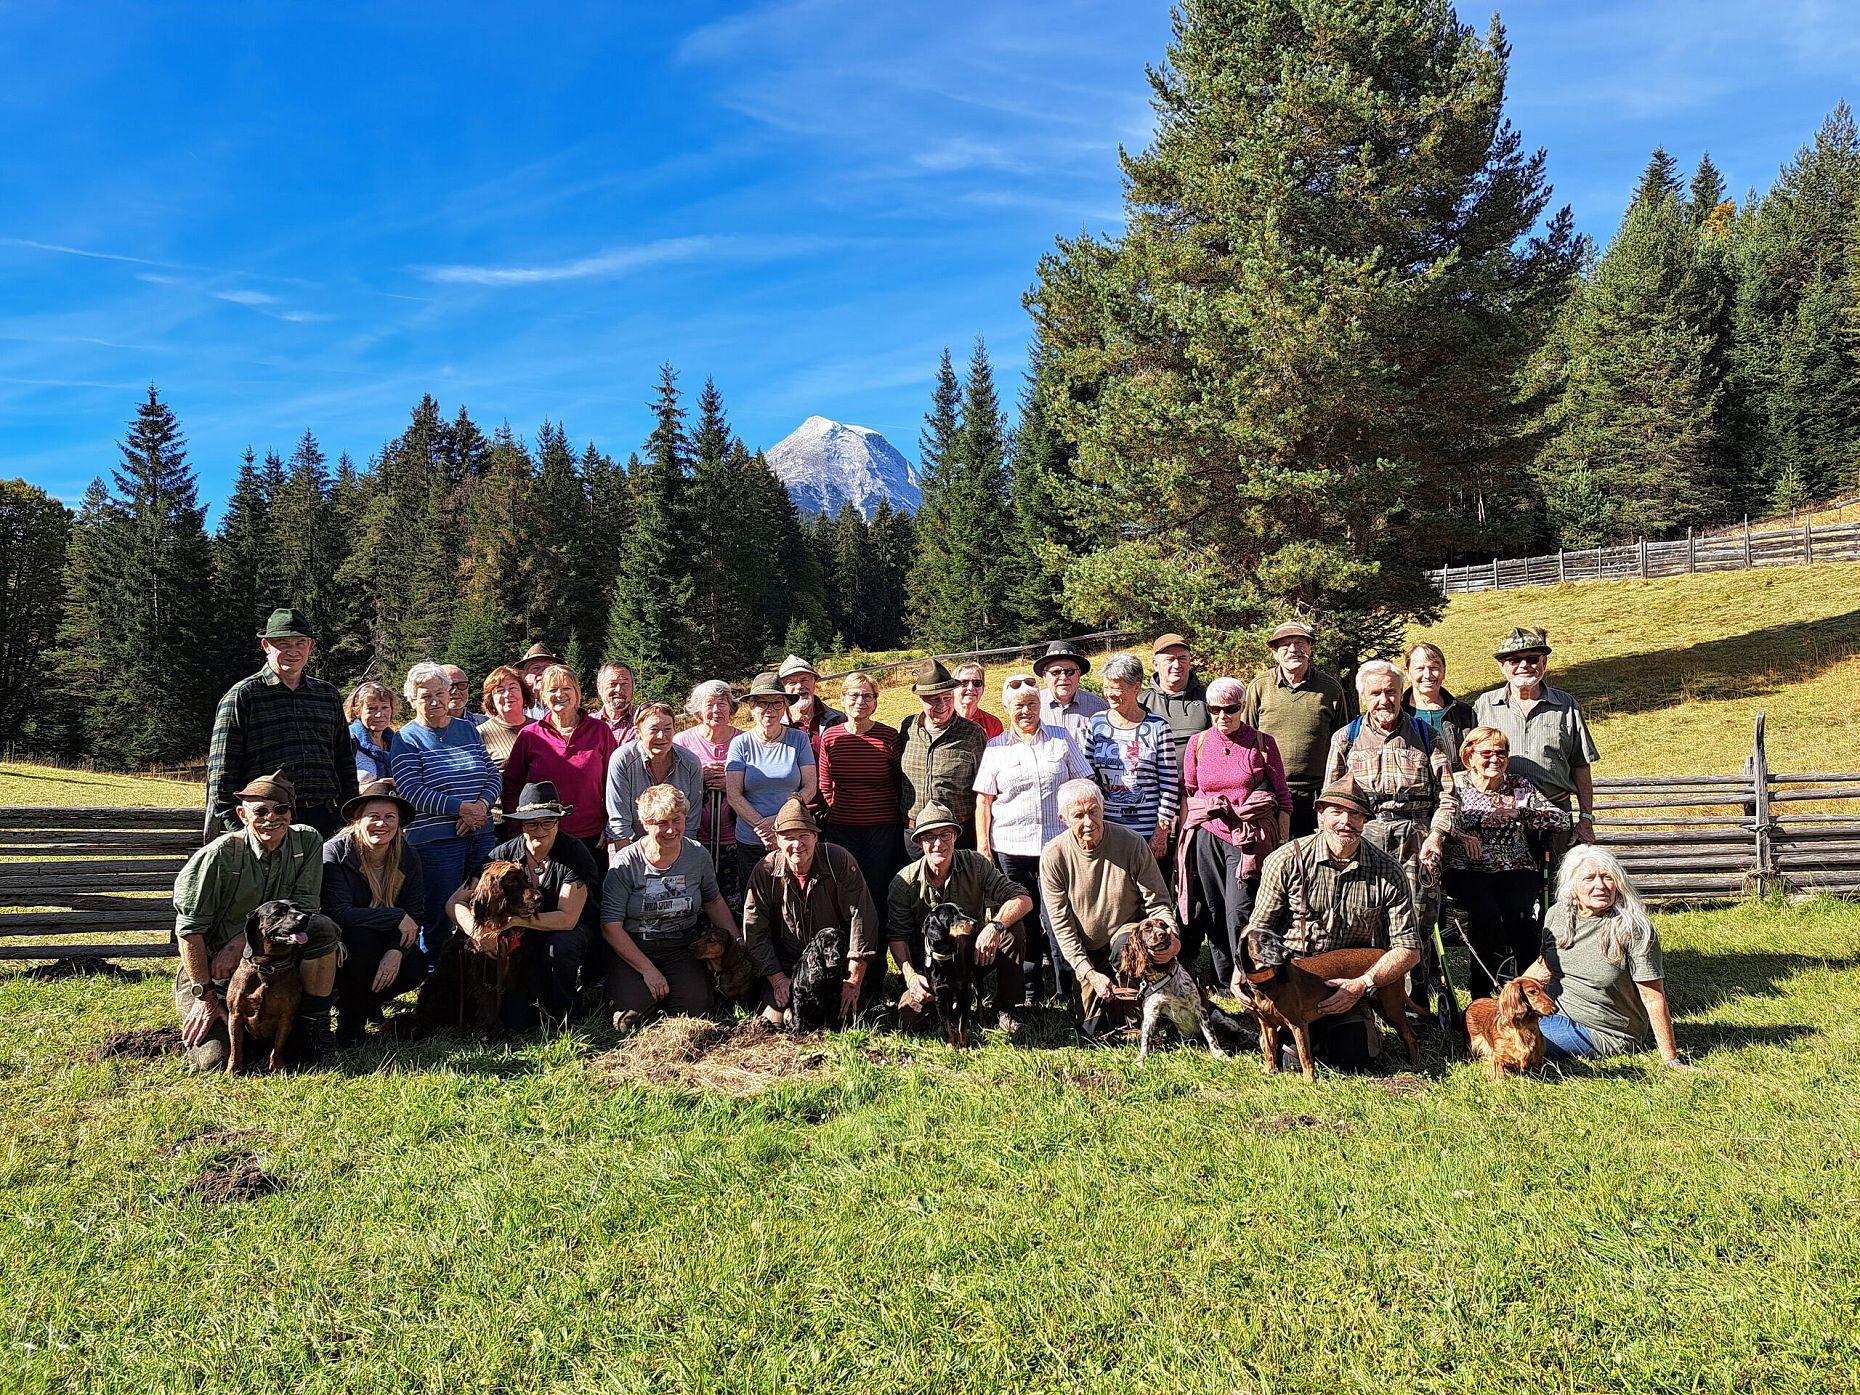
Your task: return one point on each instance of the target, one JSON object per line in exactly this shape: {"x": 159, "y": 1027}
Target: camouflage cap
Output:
{"x": 1525, "y": 639}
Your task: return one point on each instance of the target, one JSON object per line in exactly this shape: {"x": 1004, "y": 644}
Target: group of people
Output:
{"x": 1280, "y": 815}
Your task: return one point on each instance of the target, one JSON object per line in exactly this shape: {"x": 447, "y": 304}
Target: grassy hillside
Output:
{"x": 23, "y": 784}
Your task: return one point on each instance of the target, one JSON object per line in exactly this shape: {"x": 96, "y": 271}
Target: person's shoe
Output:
{"x": 1008, "y": 1023}
{"x": 311, "y": 1043}
{"x": 210, "y": 1055}
{"x": 625, "y": 1021}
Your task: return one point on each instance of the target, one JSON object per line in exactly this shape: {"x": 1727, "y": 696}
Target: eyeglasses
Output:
{"x": 1521, "y": 660}
{"x": 1224, "y": 709}
{"x": 1057, "y": 672}
{"x": 268, "y": 811}
{"x": 968, "y": 682}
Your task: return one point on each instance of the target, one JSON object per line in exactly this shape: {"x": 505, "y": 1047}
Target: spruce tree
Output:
{"x": 556, "y": 542}
{"x": 892, "y": 550}
{"x": 490, "y": 622}
{"x": 1045, "y": 490}
{"x": 82, "y": 659}
{"x": 1659, "y": 181}
{"x": 649, "y": 624}
{"x": 383, "y": 572}
{"x": 726, "y": 561}
{"x": 604, "y": 485}
{"x": 1307, "y": 344}
{"x": 245, "y": 574}
{"x": 1707, "y": 194}
{"x": 34, "y": 530}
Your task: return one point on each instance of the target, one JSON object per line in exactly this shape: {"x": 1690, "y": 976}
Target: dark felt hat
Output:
{"x": 538, "y": 651}
{"x": 538, "y": 801}
{"x": 767, "y": 685}
{"x": 378, "y": 789}
{"x": 287, "y": 622}
{"x": 1344, "y": 795}
{"x": 795, "y": 818}
{"x": 275, "y": 787}
{"x": 930, "y": 677}
{"x": 1525, "y": 639}
{"x": 1060, "y": 649}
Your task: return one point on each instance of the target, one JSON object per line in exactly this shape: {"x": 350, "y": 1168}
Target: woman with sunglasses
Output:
{"x": 1236, "y": 808}
{"x": 1550, "y": 742}
{"x": 971, "y": 679}
{"x": 1016, "y": 804}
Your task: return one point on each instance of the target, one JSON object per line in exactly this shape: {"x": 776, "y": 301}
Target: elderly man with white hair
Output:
{"x": 1097, "y": 881}
{"x": 1405, "y": 776}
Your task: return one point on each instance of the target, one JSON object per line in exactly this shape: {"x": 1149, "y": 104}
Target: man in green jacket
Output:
{"x": 1300, "y": 709}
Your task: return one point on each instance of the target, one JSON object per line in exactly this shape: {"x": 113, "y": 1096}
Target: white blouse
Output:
{"x": 1024, "y": 778}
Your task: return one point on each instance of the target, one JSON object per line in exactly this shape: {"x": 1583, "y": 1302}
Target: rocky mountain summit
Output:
{"x": 828, "y": 464}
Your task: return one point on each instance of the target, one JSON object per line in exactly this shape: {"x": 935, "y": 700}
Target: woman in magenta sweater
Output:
{"x": 859, "y": 784}
{"x": 1236, "y": 809}
{"x": 569, "y": 748}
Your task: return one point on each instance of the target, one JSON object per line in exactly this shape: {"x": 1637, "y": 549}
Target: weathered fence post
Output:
{"x": 1746, "y": 540}
{"x": 1692, "y": 552}
{"x": 1643, "y": 557}
{"x": 1760, "y": 782}
{"x": 1808, "y": 539}
{"x": 1495, "y": 573}
{"x": 1562, "y": 574}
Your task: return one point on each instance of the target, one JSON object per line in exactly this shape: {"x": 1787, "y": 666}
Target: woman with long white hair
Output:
{"x": 1601, "y": 962}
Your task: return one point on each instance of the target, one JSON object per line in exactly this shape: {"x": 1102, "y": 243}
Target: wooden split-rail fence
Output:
{"x": 1719, "y": 552}
{"x": 78, "y": 882}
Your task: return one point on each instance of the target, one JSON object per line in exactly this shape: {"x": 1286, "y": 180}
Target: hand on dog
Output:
{"x": 985, "y": 945}
{"x": 387, "y": 971}
{"x": 1349, "y": 993}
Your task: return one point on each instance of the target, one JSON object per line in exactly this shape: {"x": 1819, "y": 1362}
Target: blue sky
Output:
{"x": 298, "y": 217}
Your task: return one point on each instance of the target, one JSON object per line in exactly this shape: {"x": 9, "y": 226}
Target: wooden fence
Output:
{"x": 1722, "y": 552}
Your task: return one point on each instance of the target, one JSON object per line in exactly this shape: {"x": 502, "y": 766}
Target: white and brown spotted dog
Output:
{"x": 1152, "y": 964}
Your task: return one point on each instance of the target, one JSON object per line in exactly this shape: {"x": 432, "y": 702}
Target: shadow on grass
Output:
{"x": 1753, "y": 664}
{"x": 1697, "y": 980}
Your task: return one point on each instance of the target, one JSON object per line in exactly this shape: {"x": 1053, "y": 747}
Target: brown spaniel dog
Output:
{"x": 1504, "y": 1031}
{"x": 469, "y": 981}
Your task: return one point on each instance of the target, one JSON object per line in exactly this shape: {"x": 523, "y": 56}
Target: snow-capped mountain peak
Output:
{"x": 827, "y": 464}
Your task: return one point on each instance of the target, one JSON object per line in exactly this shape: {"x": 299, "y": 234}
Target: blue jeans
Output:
{"x": 448, "y": 863}
{"x": 1565, "y": 1038}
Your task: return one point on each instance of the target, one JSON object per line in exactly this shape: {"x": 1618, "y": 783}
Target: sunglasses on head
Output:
{"x": 1224, "y": 708}
{"x": 1016, "y": 684}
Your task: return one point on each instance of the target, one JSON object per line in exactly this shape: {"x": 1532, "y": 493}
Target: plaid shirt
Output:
{"x": 940, "y": 767}
{"x": 262, "y": 726}
{"x": 1345, "y": 905}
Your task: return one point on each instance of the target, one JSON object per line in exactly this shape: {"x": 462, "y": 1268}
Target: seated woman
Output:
{"x": 373, "y": 889}
{"x": 371, "y": 715}
{"x": 1601, "y": 962}
{"x": 649, "y": 914}
{"x": 1491, "y": 870}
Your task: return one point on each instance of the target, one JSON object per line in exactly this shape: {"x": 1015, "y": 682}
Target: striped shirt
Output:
{"x": 859, "y": 774}
{"x": 436, "y": 771}
{"x": 1023, "y": 780}
{"x": 1313, "y": 903}
{"x": 262, "y": 726}
{"x": 1136, "y": 768}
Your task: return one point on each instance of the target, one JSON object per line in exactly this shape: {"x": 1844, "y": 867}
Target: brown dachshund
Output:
{"x": 1504, "y": 1030}
{"x": 468, "y": 983}
{"x": 1286, "y": 996}
{"x": 723, "y": 954}
{"x": 266, "y": 988}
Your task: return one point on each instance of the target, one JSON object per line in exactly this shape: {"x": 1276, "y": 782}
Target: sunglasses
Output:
{"x": 968, "y": 682}
{"x": 1016, "y": 684}
{"x": 1225, "y": 709}
{"x": 268, "y": 811}
{"x": 1057, "y": 672}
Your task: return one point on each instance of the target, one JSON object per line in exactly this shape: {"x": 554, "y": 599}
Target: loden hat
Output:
{"x": 538, "y": 651}
{"x": 1344, "y": 795}
{"x": 930, "y": 678}
{"x": 1291, "y": 629}
{"x": 766, "y": 684}
{"x": 1168, "y": 641}
{"x": 275, "y": 787}
{"x": 1060, "y": 649}
{"x": 378, "y": 789}
{"x": 794, "y": 664}
{"x": 538, "y": 801}
{"x": 932, "y": 817}
{"x": 287, "y": 622}
{"x": 795, "y": 818}
{"x": 1525, "y": 639}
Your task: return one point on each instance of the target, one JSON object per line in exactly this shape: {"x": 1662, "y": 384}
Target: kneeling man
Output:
{"x": 268, "y": 858}
{"x": 1097, "y": 880}
{"x": 798, "y": 890}
{"x": 946, "y": 873}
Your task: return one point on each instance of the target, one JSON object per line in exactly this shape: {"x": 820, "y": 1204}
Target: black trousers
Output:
{"x": 1304, "y": 812}
{"x": 875, "y": 848}
{"x": 1023, "y": 869}
{"x": 692, "y": 993}
{"x": 1501, "y": 922}
{"x": 356, "y": 998}
{"x": 549, "y": 971}
{"x": 1223, "y": 905}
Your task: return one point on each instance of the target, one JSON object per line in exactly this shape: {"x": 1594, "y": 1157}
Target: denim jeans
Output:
{"x": 1565, "y": 1038}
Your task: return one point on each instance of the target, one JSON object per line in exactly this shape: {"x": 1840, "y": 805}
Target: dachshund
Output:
{"x": 468, "y": 984}
{"x": 723, "y": 954}
{"x": 1152, "y": 962}
{"x": 266, "y": 988}
{"x": 1504, "y": 1030}
{"x": 1286, "y": 995}
{"x": 814, "y": 988}
{"x": 949, "y": 962}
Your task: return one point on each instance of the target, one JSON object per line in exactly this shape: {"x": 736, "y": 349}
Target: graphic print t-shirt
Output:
{"x": 659, "y": 905}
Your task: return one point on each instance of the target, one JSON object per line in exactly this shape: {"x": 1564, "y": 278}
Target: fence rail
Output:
{"x": 1721, "y": 552}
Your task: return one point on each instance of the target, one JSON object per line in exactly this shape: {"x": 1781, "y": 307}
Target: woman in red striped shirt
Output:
{"x": 860, "y": 784}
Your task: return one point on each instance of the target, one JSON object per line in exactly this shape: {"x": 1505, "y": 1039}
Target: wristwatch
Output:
{"x": 198, "y": 991}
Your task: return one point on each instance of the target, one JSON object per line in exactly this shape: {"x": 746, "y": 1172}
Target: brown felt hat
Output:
{"x": 378, "y": 789}
{"x": 274, "y": 787}
{"x": 1291, "y": 629}
{"x": 795, "y": 818}
{"x": 930, "y": 678}
{"x": 932, "y": 817}
{"x": 537, "y": 652}
{"x": 1344, "y": 795}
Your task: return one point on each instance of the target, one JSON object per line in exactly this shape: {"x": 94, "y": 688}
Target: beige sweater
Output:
{"x": 1091, "y": 896}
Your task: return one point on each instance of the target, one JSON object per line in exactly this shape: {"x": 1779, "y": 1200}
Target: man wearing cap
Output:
{"x": 801, "y": 888}
{"x": 1062, "y": 704}
{"x": 1097, "y": 879}
{"x": 941, "y": 754}
{"x": 1550, "y": 742}
{"x": 614, "y": 683}
{"x": 1332, "y": 889}
{"x": 1177, "y": 694}
{"x": 946, "y": 873}
{"x": 269, "y": 858}
{"x": 971, "y": 679}
{"x": 1300, "y": 709}
{"x": 798, "y": 679}
{"x": 536, "y": 661}
{"x": 282, "y": 719}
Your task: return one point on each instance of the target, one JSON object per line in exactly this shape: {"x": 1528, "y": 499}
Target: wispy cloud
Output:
{"x": 252, "y": 299}
{"x": 91, "y": 253}
{"x": 622, "y": 261}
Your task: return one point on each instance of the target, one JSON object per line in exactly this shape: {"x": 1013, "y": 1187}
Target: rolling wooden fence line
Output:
{"x": 79, "y": 882}
{"x": 1723, "y": 552}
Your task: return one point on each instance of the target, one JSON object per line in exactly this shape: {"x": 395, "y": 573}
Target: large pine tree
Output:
{"x": 726, "y": 561}
{"x": 649, "y": 624}
{"x": 1305, "y": 349}
{"x": 34, "y": 528}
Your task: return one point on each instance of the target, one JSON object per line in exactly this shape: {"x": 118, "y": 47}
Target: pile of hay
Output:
{"x": 733, "y": 1059}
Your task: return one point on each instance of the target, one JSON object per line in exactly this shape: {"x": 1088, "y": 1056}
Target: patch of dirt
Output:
{"x": 738, "y": 1060}
{"x": 78, "y": 966}
{"x": 1285, "y": 1123}
{"x": 228, "y": 1179}
{"x": 143, "y": 1041}
{"x": 1404, "y": 1086}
